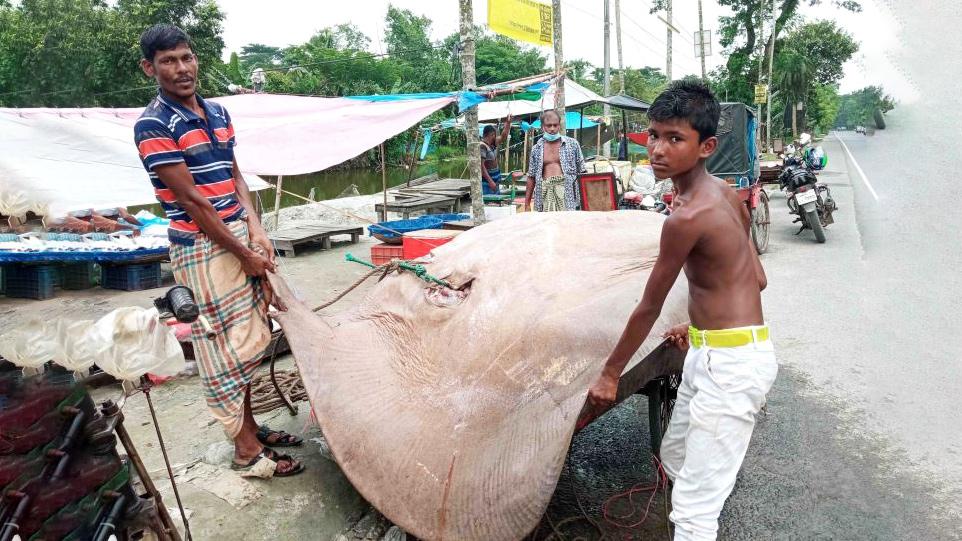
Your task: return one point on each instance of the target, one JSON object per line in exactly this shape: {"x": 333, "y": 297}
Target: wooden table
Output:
{"x": 406, "y": 205}
{"x": 286, "y": 240}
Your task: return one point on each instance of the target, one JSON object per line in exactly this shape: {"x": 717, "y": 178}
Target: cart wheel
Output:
{"x": 760, "y": 223}
{"x": 661, "y": 400}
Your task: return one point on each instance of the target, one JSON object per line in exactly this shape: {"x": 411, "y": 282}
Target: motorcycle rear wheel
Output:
{"x": 816, "y": 224}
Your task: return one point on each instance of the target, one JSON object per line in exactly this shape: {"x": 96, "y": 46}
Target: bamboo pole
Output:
{"x": 384, "y": 181}
{"x": 507, "y": 152}
{"x": 414, "y": 157}
{"x": 598, "y": 143}
{"x": 524, "y": 151}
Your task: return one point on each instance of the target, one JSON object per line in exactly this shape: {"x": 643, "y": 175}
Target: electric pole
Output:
{"x": 668, "y": 41}
{"x": 621, "y": 64}
{"x": 771, "y": 60}
{"x": 701, "y": 41}
{"x": 761, "y": 41}
{"x": 471, "y": 116}
{"x": 559, "y": 96}
{"x": 607, "y": 81}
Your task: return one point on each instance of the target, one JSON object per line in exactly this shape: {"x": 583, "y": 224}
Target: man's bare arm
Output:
{"x": 678, "y": 238}
{"x": 504, "y": 131}
{"x": 528, "y": 192}
{"x": 244, "y": 196}
{"x": 178, "y": 180}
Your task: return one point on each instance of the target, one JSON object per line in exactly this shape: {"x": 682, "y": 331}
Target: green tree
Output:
{"x": 808, "y": 65}
{"x": 793, "y": 77}
{"x": 823, "y": 106}
{"x": 826, "y": 47}
{"x": 499, "y": 59}
{"x": 426, "y": 65}
{"x": 859, "y": 107}
{"x": 257, "y": 55}
{"x": 86, "y": 52}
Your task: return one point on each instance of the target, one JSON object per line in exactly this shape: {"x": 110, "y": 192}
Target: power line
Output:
{"x": 79, "y": 90}
{"x": 357, "y": 57}
{"x": 628, "y": 35}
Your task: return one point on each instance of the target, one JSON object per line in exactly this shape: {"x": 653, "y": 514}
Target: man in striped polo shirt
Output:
{"x": 218, "y": 247}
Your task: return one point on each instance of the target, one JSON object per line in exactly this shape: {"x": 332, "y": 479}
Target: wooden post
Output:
{"x": 524, "y": 151}
{"x": 277, "y": 202}
{"x": 384, "y": 182}
{"x": 598, "y": 142}
{"x": 473, "y": 146}
{"x": 507, "y": 152}
{"x": 414, "y": 157}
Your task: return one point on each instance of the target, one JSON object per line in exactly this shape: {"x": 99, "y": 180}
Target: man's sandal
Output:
{"x": 281, "y": 439}
{"x": 268, "y": 453}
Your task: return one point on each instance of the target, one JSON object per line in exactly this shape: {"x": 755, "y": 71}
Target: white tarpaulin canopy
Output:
{"x": 575, "y": 95}
{"x": 57, "y": 160}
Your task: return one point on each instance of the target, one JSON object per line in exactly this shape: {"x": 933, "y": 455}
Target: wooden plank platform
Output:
{"x": 461, "y": 225}
{"x": 288, "y": 239}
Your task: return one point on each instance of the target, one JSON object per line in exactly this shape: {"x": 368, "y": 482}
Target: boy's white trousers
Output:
{"x": 721, "y": 391}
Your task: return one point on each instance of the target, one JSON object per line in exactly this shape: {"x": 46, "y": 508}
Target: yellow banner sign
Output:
{"x": 761, "y": 93}
{"x": 525, "y": 20}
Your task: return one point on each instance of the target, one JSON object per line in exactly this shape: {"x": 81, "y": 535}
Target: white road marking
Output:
{"x": 858, "y": 168}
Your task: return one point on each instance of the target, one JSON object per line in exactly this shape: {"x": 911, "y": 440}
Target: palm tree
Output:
{"x": 793, "y": 74}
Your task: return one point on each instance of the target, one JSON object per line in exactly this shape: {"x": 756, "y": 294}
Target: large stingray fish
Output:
{"x": 451, "y": 410}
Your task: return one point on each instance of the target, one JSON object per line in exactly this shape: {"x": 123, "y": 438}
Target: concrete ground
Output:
{"x": 318, "y": 504}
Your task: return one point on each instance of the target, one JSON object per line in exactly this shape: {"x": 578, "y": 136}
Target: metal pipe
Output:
{"x": 145, "y": 387}
{"x": 116, "y": 417}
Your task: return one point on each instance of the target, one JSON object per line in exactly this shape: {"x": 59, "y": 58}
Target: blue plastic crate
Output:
{"x": 134, "y": 277}
{"x": 29, "y": 281}
{"x": 78, "y": 275}
{"x": 393, "y": 230}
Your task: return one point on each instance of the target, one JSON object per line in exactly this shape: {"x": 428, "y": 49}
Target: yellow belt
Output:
{"x": 726, "y": 338}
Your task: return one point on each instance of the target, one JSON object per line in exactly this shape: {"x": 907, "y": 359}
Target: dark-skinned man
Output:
{"x": 218, "y": 247}
{"x": 553, "y": 169}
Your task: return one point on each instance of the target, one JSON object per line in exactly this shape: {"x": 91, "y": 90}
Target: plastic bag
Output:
{"x": 14, "y": 203}
{"x": 138, "y": 343}
{"x": 642, "y": 179}
{"x": 31, "y": 345}
{"x": 79, "y": 346}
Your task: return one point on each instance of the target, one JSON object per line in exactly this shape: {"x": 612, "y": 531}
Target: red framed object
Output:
{"x": 598, "y": 191}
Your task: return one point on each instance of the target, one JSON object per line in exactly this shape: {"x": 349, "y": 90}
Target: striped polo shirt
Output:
{"x": 167, "y": 133}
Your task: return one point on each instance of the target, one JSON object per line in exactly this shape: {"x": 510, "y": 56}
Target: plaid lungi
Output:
{"x": 236, "y": 307}
{"x": 553, "y": 193}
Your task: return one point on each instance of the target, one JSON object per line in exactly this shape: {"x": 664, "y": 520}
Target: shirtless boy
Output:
{"x": 730, "y": 365}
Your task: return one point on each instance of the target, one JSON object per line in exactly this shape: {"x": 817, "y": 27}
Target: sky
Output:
{"x": 288, "y": 22}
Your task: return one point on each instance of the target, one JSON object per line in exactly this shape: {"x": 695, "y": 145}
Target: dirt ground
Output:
{"x": 318, "y": 504}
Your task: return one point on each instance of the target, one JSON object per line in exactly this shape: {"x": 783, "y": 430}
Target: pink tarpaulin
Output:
{"x": 291, "y": 135}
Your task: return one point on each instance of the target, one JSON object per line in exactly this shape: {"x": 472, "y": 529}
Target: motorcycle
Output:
{"x": 811, "y": 201}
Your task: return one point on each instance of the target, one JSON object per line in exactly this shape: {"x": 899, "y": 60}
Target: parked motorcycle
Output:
{"x": 811, "y": 201}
